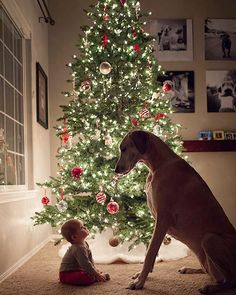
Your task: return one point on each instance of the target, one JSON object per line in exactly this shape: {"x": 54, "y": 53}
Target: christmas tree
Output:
{"x": 115, "y": 90}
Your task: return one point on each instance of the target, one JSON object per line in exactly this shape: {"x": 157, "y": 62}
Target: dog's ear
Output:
{"x": 140, "y": 139}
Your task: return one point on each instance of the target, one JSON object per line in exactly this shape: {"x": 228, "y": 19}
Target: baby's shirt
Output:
{"x": 78, "y": 258}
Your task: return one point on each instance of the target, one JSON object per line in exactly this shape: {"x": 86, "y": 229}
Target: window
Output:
{"x": 12, "y": 151}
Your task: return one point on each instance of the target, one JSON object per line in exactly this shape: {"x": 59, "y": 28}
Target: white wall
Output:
{"x": 19, "y": 238}
{"x": 218, "y": 169}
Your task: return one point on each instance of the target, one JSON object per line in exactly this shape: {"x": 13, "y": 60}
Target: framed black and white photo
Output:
{"x": 173, "y": 39}
{"x": 220, "y": 39}
{"x": 41, "y": 96}
{"x": 221, "y": 91}
{"x": 181, "y": 93}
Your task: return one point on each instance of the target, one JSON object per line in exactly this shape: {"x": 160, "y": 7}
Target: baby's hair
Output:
{"x": 69, "y": 228}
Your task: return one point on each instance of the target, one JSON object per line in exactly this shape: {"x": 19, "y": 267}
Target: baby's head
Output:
{"x": 74, "y": 231}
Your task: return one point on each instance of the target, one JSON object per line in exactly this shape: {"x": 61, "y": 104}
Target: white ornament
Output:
{"x": 105, "y": 68}
{"x": 108, "y": 140}
{"x": 155, "y": 95}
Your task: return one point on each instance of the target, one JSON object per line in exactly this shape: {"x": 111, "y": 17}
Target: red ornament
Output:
{"x": 45, "y": 200}
{"x": 122, "y": 2}
{"x": 77, "y": 172}
{"x": 85, "y": 85}
{"x": 104, "y": 40}
{"x": 136, "y": 48}
{"x": 65, "y": 136}
{"x": 159, "y": 116}
{"x": 101, "y": 198}
{"x": 112, "y": 207}
{"x": 134, "y": 34}
{"x": 166, "y": 87}
{"x": 134, "y": 122}
{"x": 105, "y": 17}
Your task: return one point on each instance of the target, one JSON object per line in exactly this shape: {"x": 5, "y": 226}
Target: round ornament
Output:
{"x": 167, "y": 86}
{"x": 45, "y": 200}
{"x": 144, "y": 113}
{"x": 85, "y": 86}
{"x": 77, "y": 172}
{"x": 105, "y": 68}
{"x": 159, "y": 116}
{"x": 108, "y": 140}
{"x": 134, "y": 122}
{"x": 136, "y": 48}
{"x": 105, "y": 17}
{"x": 101, "y": 198}
{"x": 114, "y": 241}
{"x": 62, "y": 206}
{"x": 112, "y": 207}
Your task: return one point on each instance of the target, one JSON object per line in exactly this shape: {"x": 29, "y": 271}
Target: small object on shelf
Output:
{"x": 205, "y": 135}
{"x": 230, "y": 135}
{"x": 218, "y": 135}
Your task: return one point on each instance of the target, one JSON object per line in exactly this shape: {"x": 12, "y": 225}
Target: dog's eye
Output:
{"x": 123, "y": 149}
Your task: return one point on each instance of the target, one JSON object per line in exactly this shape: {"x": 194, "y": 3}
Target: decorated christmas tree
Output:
{"x": 115, "y": 90}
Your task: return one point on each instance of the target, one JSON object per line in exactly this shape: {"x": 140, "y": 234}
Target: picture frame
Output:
{"x": 205, "y": 135}
{"x": 220, "y": 36}
{"x": 221, "y": 90}
{"x": 181, "y": 93}
{"x": 230, "y": 135}
{"x": 218, "y": 135}
{"x": 174, "y": 39}
{"x": 41, "y": 96}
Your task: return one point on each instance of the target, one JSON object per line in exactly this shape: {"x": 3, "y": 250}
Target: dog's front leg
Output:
{"x": 157, "y": 238}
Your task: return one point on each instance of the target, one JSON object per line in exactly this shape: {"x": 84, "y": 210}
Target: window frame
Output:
{"x": 15, "y": 15}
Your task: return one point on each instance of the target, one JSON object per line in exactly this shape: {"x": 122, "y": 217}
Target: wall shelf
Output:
{"x": 209, "y": 145}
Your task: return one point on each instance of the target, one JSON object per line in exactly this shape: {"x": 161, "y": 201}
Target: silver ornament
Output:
{"x": 62, "y": 206}
{"x": 105, "y": 68}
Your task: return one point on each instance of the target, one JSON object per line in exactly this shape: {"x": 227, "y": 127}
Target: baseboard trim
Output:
{"x": 23, "y": 260}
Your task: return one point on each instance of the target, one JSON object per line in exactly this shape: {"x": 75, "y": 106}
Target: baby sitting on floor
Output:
{"x": 77, "y": 266}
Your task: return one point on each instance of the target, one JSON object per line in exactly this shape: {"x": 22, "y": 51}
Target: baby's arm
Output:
{"x": 87, "y": 265}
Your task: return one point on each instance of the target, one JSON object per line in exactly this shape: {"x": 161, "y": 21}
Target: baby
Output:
{"x": 77, "y": 266}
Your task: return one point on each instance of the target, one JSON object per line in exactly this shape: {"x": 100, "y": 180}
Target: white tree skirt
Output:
{"x": 103, "y": 253}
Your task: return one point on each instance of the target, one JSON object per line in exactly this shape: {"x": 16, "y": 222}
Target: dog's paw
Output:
{"x": 135, "y": 275}
{"x": 182, "y": 270}
{"x": 135, "y": 285}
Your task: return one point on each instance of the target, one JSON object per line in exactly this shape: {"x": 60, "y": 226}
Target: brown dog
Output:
{"x": 184, "y": 207}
